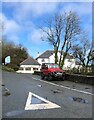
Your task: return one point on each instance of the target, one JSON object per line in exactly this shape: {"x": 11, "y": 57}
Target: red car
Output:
{"x": 52, "y": 71}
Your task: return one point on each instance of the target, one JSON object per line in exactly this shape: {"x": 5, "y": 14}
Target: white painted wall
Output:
{"x": 70, "y": 65}
{"x": 67, "y": 64}
{"x": 51, "y": 59}
{"x": 40, "y": 60}
{"x": 29, "y": 71}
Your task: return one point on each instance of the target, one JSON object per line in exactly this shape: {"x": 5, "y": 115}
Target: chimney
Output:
{"x": 38, "y": 54}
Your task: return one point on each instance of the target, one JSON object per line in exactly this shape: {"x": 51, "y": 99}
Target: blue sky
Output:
{"x": 22, "y": 19}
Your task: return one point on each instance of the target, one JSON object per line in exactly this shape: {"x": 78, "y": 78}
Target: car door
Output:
{"x": 46, "y": 70}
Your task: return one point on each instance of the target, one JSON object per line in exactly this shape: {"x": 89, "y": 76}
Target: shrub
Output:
{"x": 80, "y": 71}
{"x": 13, "y": 66}
{"x": 37, "y": 72}
{"x": 7, "y": 69}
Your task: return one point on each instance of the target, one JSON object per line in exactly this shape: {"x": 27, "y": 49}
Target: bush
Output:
{"x": 13, "y": 66}
{"x": 37, "y": 72}
{"x": 0, "y": 66}
{"x": 79, "y": 71}
{"x": 5, "y": 68}
{"x": 73, "y": 71}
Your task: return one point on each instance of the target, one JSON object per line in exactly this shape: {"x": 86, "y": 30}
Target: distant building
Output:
{"x": 48, "y": 57}
{"x": 29, "y": 66}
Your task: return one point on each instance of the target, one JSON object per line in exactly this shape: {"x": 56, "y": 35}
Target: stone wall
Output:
{"x": 76, "y": 78}
{"x": 80, "y": 78}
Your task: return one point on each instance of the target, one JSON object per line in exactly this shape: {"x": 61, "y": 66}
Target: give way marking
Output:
{"x": 35, "y": 102}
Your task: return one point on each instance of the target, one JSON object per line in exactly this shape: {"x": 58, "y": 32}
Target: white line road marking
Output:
{"x": 46, "y": 105}
{"x": 80, "y": 91}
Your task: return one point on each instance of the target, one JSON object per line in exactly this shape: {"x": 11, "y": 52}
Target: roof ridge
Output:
{"x": 42, "y": 53}
{"x": 24, "y": 60}
{"x": 28, "y": 59}
{"x": 35, "y": 60}
{"x": 48, "y": 53}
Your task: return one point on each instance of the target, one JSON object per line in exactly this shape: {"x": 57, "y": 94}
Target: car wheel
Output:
{"x": 49, "y": 77}
{"x": 63, "y": 78}
{"x": 42, "y": 76}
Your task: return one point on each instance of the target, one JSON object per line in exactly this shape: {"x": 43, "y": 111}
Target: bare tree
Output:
{"x": 62, "y": 31}
{"x": 53, "y": 32}
{"x": 84, "y": 52}
{"x": 93, "y": 56}
{"x": 71, "y": 31}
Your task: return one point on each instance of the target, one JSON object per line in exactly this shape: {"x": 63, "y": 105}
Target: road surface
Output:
{"x": 30, "y": 97}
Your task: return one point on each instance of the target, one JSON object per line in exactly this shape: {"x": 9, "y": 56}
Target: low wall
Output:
{"x": 80, "y": 78}
{"x": 37, "y": 73}
{"x": 76, "y": 78}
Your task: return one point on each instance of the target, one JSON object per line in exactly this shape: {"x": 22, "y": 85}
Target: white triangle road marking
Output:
{"x": 46, "y": 105}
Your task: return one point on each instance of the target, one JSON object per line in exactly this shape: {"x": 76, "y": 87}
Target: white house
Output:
{"x": 29, "y": 66}
{"x": 48, "y": 57}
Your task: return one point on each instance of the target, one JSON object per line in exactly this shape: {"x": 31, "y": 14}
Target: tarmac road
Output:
{"x": 74, "y": 100}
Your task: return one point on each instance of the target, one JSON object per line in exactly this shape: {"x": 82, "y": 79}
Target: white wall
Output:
{"x": 67, "y": 64}
{"x": 51, "y": 59}
{"x": 29, "y": 71}
{"x": 46, "y": 60}
{"x": 70, "y": 65}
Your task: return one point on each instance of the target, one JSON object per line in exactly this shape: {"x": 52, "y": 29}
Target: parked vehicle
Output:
{"x": 52, "y": 71}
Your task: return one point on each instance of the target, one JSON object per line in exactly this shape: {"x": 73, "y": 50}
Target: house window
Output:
{"x": 43, "y": 60}
{"x": 28, "y": 68}
{"x": 21, "y": 68}
{"x": 35, "y": 68}
{"x": 69, "y": 60}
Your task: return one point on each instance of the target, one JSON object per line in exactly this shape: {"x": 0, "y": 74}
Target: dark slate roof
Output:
{"x": 48, "y": 53}
{"x": 69, "y": 56}
{"x": 29, "y": 61}
{"x": 78, "y": 63}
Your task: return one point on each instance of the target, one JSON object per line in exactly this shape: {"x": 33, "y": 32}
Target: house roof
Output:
{"x": 48, "y": 53}
{"x": 78, "y": 63}
{"x": 29, "y": 61}
{"x": 69, "y": 56}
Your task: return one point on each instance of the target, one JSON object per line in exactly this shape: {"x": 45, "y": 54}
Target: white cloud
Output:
{"x": 13, "y": 30}
{"x": 84, "y": 10}
{"x": 28, "y": 10}
{"x": 81, "y": 8}
{"x": 14, "y": 38}
{"x": 42, "y": 8}
{"x": 23, "y": 11}
{"x": 36, "y": 34}
{"x": 35, "y": 37}
{"x": 10, "y": 26}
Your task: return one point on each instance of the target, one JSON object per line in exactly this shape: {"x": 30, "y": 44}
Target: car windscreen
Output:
{"x": 53, "y": 66}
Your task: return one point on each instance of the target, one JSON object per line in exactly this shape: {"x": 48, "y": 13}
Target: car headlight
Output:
{"x": 53, "y": 73}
